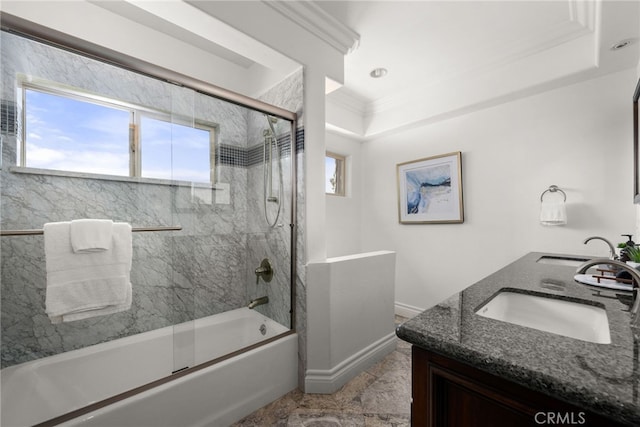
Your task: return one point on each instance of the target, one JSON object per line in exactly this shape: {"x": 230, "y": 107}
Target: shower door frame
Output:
{"x": 16, "y": 25}
{"x": 37, "y": 32}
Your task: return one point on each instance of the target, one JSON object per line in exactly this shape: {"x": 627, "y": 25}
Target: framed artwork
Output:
{"x": 430, "y": 190}
{"x": 636, "y": 150}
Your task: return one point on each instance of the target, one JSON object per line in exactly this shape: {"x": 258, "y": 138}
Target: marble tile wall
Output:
{"x": 176, "y": 276}
{"x": 265, "y": 241}
{"x": 204, "y": 269}
{"x": 290, "y": 96}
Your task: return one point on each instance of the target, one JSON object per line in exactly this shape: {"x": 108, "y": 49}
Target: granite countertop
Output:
{"x": 603, "y": 378}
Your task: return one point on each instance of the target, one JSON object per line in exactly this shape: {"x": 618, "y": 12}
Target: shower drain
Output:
{"x": 263, "y": 329}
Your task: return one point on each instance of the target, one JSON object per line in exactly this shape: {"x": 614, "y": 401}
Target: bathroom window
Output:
{"x": 334, "y": 174}
{"x": 68, "y": 131}
{"x": 170, "y": 150}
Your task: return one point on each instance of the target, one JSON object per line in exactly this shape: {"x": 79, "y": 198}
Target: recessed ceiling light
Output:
{"x": 378, "y": 72}
{"x": 622, "y": 44}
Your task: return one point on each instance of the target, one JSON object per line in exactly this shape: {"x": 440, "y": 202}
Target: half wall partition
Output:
{"x": 88, "y": 138}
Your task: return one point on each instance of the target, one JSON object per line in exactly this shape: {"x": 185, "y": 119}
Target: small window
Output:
{"x": 77, "y": 133}
{"x": 334, "y": 174}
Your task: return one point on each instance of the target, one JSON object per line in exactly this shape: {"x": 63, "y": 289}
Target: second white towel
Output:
{"x": 91, "y": 235}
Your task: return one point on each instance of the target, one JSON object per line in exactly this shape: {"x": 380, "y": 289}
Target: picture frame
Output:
{"x": 430, "y": 190}
{"x": 636, "y": 150}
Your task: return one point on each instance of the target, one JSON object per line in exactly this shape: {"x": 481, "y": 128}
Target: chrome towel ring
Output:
{"x": 553, "y": 189}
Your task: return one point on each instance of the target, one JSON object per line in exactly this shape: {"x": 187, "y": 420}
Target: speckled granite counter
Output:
{"x": 603, "y": 378}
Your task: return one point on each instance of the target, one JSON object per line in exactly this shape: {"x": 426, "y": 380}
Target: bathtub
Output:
{"x": 206, "y": 393}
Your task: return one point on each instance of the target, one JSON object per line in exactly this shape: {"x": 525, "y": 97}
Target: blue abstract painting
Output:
{"x": 426, "y": 187}
{"x": 430, "y": 189}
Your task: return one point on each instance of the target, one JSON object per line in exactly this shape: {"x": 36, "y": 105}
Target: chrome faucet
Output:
{"x": 258, "y": 301}
{"x": 635, "y": 280}
{"x": 612, "y": 251}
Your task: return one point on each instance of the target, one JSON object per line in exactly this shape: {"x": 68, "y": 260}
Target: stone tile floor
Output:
{"x": 379, "y": 396}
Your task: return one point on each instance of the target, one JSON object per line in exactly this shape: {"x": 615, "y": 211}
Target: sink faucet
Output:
{"x": 635, "y": 280}
{"x": 258, "y": 301}
{"x": 612, "y": 251}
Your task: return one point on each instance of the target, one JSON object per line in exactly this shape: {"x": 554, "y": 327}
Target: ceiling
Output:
{"x": 427, "y": 43}
{"x": 444, "y": 58}
{"x": 448, "y": 57}
{"x": 144, "y": 14}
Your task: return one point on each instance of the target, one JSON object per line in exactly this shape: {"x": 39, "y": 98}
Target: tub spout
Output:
{"x": 258, "y": 301}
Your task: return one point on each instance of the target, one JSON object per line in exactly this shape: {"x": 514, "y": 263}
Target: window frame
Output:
{"x": 136, "y": 113}
{"x": 341, "y": 173}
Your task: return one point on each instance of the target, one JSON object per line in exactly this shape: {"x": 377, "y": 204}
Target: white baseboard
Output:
{"x": 330, "y": 380}
{"x": 406, "y": 310}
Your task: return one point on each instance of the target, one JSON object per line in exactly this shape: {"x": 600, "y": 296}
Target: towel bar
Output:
{"x": 38, "y": 231}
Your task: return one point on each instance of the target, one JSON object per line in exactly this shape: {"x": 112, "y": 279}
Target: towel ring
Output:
{"x": 553, "y": 189}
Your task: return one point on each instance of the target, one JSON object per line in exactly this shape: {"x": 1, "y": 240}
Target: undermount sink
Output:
{"x": 560, "y": 260}
{"x": 559, "y": 316}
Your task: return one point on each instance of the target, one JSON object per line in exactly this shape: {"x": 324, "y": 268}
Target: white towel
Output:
{"x": 82, "y": 285}
{"x": 91, "y": 235}
{"x": 553, "y": 213}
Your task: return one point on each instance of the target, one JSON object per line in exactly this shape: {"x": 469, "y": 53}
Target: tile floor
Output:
{"x": 379, "y": 396}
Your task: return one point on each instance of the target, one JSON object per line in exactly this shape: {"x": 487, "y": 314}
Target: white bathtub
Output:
{"x": 216, "y": 395}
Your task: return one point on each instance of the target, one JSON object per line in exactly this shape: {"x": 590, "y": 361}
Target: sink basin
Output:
{"x": 559, "y": 260}
{"x": 569, "y": 318}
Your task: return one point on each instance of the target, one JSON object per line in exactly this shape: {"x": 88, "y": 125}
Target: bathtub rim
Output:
{"x": 161, "y": 381}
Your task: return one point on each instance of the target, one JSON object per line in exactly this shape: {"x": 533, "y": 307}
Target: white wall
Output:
{"x": 343, "y": 231}
{"x": 578, "y": 137}
{"x": 350, "y": 316}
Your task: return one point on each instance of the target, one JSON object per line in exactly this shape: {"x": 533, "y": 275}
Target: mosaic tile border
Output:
{"x": 8, "y": 117}
{"x": 227, "y": 155}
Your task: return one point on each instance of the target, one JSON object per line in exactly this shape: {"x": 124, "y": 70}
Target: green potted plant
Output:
{"x": 633, "y": 252}
{"x": 620, "y": 249}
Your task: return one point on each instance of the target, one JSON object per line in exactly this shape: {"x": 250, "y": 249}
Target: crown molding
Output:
{"x": 583, "y": 12}
{"x": 344, "y": 113}
{"x": 346, "y": 100}
{"x": 312, "y": 18}
{"x": 337, "y": 130}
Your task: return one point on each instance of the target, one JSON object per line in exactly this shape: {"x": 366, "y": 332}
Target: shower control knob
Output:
{"x": 265, "y": 271}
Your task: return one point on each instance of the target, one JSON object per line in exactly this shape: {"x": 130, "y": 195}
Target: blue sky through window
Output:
{"x": 330, "y": 168}
{"x": 67, "y": 134}
{"x": 174, "y": 151}
{"x": 63, "y": 133}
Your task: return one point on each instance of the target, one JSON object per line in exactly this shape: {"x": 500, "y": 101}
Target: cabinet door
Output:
{"x": 447, "y": 393}
{"x": 458, "y": 402}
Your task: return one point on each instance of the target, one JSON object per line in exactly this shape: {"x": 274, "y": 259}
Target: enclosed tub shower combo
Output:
{"x": 203, "y": 182}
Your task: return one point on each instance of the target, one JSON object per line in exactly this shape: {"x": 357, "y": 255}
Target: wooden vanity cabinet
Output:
{"x": 449, "y": 393}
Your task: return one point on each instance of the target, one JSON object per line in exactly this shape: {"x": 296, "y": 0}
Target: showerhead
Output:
{"x": 271, "y": 140}
{"x": 270, "y": 121}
